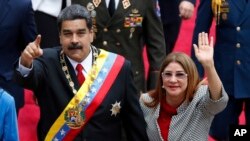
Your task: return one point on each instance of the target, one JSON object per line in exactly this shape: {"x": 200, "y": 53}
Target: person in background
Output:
{"x": 84, "y": 93}
{"x": 8, "y": 118}
{"x": 17, "y": 28}
{"x": 182, "y": 107}
{"x": 172, "y": 13}
{"x": 125, "y": 27}
{"x": 46, "y": 12}
{"x": 231, "y": 55}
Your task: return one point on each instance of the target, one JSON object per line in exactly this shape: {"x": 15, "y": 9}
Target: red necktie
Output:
{"x": 80, "y": 75}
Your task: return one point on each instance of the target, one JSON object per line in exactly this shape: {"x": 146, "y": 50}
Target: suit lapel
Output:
{"x": 121, "y": 11}
{"x": 105, "y": 8}
{"x": 240, "y": 4}
{"x": 245, "y": 13}
{"x": 72, "y": 74}
{"x": 4, "y": 9}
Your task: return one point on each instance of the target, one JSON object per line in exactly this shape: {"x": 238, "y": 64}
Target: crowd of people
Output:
{"x": 86, "y": 70}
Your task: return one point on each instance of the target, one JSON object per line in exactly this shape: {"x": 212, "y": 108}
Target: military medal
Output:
{"x": 126, "y": 4}
{"x": 93, "y": 14}
{"x": 91, "y": 8}
{"x": 96, "y": 2}
{"x": 224, "y": 16}
{"x": 74, "y": 117}
{"x": 133, "y": 21}
{"x": 116, "y": 107}
{"x": 224, "y": 9}
{"x": 132, "y": 30}
{"x": 134, "y": 13}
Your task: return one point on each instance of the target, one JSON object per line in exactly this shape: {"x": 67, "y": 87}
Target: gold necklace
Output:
{"x": 66, "y": 70}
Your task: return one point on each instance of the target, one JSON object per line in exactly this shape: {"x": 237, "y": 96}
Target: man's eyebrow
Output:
{"x": 68, "y": 30}
{"x": 84, "y": 29}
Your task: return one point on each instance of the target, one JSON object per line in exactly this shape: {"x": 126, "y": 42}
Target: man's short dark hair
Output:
{"x": 73, "y": 12}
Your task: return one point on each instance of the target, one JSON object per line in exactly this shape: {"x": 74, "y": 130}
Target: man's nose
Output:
{"x": 75, "y": 38}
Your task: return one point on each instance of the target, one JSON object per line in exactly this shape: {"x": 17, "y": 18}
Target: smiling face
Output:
{"x": 174, "y": 80}
{"x": 76, "y": 38}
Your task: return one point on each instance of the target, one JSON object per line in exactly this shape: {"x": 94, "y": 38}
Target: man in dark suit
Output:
{"x": 231, "y": 55}
{"x": 133, "y": 25}
{"x": 95, "y": 110}
{"x": 172, "y": 13}
{"x": 17, "y": 28}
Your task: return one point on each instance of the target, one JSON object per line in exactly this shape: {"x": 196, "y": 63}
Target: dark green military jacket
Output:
{"x": 133, "y": 26}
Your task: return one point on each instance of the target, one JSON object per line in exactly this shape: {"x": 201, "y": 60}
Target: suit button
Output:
{"x": 238, "y": 28}
{"x": 105, "y": 43}
{"x": 136, "y": 72}
{"x": 105, "y": 29}
{"x": 118, "y": 44}
{"x": 238, "y": 62}
{"x": 118, "y": 30}
{"x": 238, "y": 45}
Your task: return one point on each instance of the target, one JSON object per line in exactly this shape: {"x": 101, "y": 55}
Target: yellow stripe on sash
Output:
{"x": 79, "y": 95}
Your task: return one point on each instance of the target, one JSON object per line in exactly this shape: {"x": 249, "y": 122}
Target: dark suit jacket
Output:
{"x": 17, "y": 29}
{"x": 232, "y": 46}
{"x": 112, "y": 35}
{"x": 170, "y": 10}
{"x": 53, "y": 93}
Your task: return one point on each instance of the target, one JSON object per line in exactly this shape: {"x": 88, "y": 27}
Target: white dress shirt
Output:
{"x": 50, "y": 7}
{"x": 116, "y": 3}
{"x": 86, "y": 63}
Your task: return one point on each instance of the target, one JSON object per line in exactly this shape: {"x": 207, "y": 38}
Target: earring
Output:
{"x": 162, "y": 86}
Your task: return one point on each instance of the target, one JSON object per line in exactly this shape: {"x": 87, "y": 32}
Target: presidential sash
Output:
{"x": 87, "y": 99}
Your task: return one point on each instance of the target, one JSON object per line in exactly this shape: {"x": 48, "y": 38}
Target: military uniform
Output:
{"x": 171, "y": 21}
{"x": 231, "y": 55}
{"x": 133, "y": 25}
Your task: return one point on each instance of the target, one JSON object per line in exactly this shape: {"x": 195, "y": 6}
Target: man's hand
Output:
{"x": 186, "y": 9}
{"x": 31, "y": 52}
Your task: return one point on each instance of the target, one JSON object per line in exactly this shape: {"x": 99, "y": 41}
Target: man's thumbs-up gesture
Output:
{"x": 31, "y": 52}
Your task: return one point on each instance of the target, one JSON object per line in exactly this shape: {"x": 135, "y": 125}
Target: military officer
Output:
{"x": 231, "y": 55}
{"x": 132, "y": 26}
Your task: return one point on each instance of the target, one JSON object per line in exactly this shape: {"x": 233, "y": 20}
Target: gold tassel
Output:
{"x": 216, "y": 4}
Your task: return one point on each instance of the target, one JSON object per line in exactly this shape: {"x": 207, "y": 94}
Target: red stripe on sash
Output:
{"x": 99, "y": 97}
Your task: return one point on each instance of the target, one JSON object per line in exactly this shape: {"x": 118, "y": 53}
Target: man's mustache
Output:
{"x": 74, "y": 46}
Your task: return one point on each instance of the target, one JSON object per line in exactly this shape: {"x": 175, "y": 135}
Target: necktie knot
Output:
{"x": 80, "y": 76}
{"x": 79, "y": 68}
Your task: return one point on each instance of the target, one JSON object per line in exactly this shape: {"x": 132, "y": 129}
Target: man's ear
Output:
{"x": 92, "y": 34}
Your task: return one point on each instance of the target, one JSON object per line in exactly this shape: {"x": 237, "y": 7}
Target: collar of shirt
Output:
{"x": 86, "y": 63}
{"x": 116, "y": 3}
